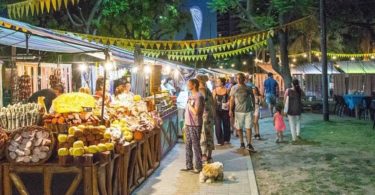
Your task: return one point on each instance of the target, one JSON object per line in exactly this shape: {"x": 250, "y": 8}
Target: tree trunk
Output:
{"x": 323, "y": 45}
{"x": 283, "y": 41}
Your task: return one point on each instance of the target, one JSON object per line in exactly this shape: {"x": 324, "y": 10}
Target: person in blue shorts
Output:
{"x": 270, "y": 92}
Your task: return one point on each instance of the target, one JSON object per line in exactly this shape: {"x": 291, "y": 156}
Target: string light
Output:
{"x": 233, "y": 65}
{"x": 305, "y": 55}
{"x": 334, "y": 57}
{"x": 109, "y": 65}
{"x": 83, "y": 67}
{"x": 294, "y": 60}
{"x": 221, "y": 67}
{"x": 147, "y": 69}
{"x": 372, "y": 57}
{"x": 352, "y": 58}
{"x": 244, "y": 62}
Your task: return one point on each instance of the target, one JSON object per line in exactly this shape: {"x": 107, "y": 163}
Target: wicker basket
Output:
{"x": 31, "y": 128}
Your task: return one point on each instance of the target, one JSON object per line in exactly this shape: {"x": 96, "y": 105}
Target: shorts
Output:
{"x": 243, "y": 120}
{"x": 270, "y": 98}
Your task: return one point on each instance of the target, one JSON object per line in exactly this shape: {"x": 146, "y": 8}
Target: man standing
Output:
{"x": 242, "y": 103}
{"x": 193, "y": 126}
{"x": 270, "y": 92}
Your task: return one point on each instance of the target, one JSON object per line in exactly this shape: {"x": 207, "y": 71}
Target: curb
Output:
{"x": 251, "y": 175}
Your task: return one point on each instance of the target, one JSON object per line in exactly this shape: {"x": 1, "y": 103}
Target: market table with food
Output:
{"x": 81, "y": 150}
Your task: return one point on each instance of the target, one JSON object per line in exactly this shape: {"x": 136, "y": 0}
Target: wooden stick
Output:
{"x": 18, "y": 183}
{"x": 7, "y": 182}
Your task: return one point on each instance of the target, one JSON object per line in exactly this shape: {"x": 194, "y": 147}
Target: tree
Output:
{"x": 261, "y": 15}
{"x": 134, "y": 19}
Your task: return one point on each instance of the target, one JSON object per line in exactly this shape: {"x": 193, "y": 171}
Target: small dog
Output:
{"x": 212, "y": 172}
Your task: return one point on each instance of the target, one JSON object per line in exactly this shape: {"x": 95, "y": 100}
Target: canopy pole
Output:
{"x": 106, "y": 53}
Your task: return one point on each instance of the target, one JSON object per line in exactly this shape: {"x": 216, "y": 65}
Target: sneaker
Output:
{"x": 242, "y": 146}
{"x": 250, "y": 148}
{"x": 186, "y": 170}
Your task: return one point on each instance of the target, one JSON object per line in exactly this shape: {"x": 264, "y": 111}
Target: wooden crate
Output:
{"x": 88, "y": 180}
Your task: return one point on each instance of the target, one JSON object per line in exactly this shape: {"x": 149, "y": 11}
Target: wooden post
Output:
{"x": 323, "y": 45}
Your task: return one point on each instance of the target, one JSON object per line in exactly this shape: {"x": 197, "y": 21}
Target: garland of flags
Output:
{"x": 203, "y": 46}
{"x": 336, "y": 55}
{"x": 24, "y": 8}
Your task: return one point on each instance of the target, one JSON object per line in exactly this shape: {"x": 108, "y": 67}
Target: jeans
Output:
{"x": 295, "y": 125}
{"x": 222, "y": 126}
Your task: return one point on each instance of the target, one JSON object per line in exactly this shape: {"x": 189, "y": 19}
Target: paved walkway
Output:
{"x": 168, "y": 180}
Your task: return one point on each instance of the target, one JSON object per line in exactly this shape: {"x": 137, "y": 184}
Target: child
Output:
{"x": 279, "y": 124}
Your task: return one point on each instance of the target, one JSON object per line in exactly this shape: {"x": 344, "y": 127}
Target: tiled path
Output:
{"x": 168, "y": 180}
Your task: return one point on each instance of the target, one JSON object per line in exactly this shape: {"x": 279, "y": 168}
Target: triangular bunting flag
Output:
{"x": 170, "y": 45}
{"x": 32, "y": 7}
{"x": 59, "y": 3}
{"x": 27, "y": 7}
{"x": 54, "y": 5}
{"x": 22, "y": 8}
{"x": 41, "y": 3}
{"x": 66, "y": 4}
{"x": 158, "y": 45}
{"x": 48, "y": 5}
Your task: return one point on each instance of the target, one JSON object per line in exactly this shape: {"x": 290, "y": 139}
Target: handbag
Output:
{"x": 286, "y": 106}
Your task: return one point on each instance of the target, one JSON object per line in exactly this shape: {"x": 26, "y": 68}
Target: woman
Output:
{"x": 222, "y": 121}
{"x": 256, "y": 112}
{"x": 193, "y": 126}
{"x": 293, "y": 107}
{"x": 99, "y": 90}
{"x": 207, "y": 139}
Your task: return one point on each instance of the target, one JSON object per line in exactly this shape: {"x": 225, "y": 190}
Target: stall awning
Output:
{"x": 226, "y": 71}
{"x": 14, "y": 33}
{"x": 313, "y": 68}
{"x": 357, "y": 67}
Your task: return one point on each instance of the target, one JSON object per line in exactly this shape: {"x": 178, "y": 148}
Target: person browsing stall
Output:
{"x": 242, "y": 107}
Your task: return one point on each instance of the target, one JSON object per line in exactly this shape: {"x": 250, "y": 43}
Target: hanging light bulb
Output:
{"x": 233, "y": 65}
{"x": 108, "y": 65}
{"x": 305, "y": 55}
{"x": 294, "y": 60}
{"x": 244, "y": 62}
{"x": 352, "y": 58}
{"x": 372, "y": 57}
{"x": 221, "y": 67}
{"x": 334, "y": 57}
{"x": 147, "y": 69}
{"x": 83, "y": 67}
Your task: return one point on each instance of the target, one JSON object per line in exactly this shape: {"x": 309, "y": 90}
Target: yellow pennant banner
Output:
{"x": 24, "y": 8}
{"x": 335, "y": 55}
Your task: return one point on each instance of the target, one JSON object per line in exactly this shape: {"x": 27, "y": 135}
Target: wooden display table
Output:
{"x": 52, "y": 178}
{"x": 169, "y": 131}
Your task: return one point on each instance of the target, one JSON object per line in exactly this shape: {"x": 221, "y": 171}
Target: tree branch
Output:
{"x": 81, "y": 15}
{"x": 250, "y": 18}
{"x": 93, "y": 11}
{"x": 71, "y": 19}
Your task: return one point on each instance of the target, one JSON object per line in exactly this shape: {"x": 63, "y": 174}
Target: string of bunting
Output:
{"x": 182, "y": 47}
{"x": 24, "y": 8}
{"x": 335, "y": 55}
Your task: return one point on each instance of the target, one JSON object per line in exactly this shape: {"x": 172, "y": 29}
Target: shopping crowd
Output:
{"x": 223, "y": 107}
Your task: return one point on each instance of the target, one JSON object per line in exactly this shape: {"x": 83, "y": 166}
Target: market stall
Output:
{"x": 85, "y": 145}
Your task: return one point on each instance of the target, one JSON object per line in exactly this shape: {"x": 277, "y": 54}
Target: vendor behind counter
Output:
{"x": 48, "y": 94}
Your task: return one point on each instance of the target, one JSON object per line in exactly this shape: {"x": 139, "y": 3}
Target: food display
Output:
{"x": 71, "y": 119}
{"x": 30, "y": 145}
{"x": 84, "y": 139}
{"x": 3, "y": 140}
{"x": 19, "y": 115}
{"x": 73, "y": 103}
{"x": 24, "y": 87}
{"x": 164, "y": 103}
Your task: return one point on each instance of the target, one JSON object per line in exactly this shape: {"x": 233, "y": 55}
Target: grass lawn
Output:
{"x": 336, "y": 157}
